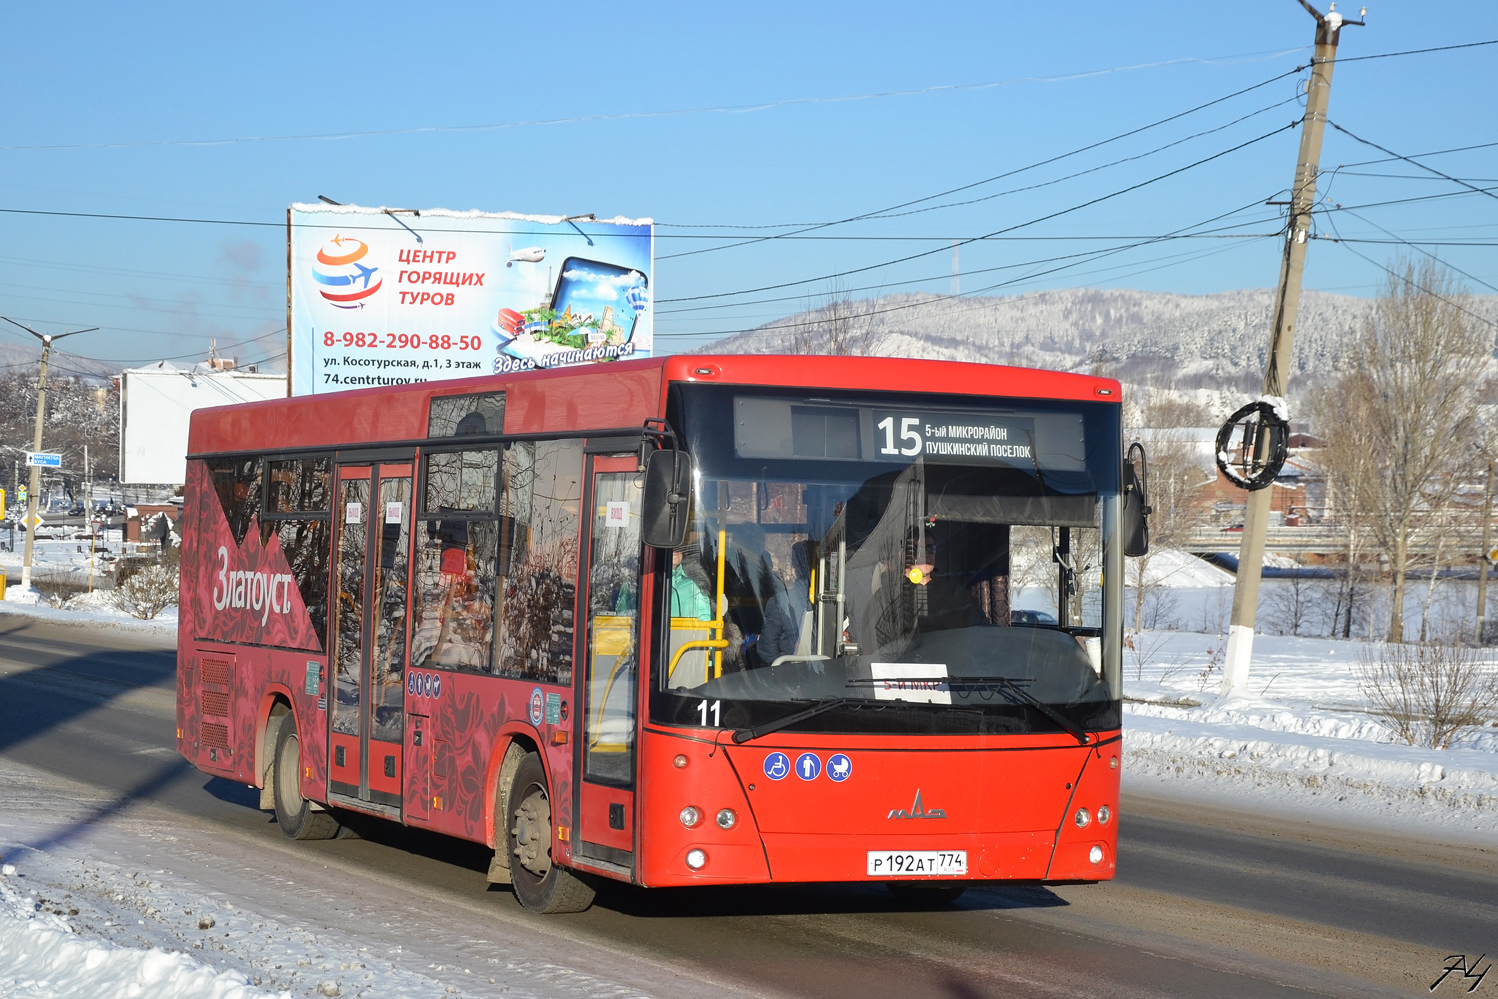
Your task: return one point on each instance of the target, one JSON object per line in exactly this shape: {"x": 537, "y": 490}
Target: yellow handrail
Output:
{"x": 716, "y": 624}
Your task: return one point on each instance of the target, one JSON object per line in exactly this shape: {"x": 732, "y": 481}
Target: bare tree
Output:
{"x": 839, "y": 325}
{"x": 1176, "y": 477}
{"x": 1406, "y": 410}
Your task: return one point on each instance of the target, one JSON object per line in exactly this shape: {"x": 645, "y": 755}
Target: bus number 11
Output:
{"x": 703, "y": 708}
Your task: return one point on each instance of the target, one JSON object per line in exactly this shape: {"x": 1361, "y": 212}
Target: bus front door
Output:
{"x": 371, "y": 570}
{"x": 610, "y": 681}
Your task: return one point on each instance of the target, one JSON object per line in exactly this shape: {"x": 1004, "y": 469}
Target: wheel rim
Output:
{"x": 532, "y": 832}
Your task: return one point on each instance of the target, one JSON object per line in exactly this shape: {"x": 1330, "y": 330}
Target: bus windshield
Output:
{"x": 931, "y": 565}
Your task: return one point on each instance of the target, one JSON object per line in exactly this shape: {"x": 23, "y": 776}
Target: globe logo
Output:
{"x": 344, "y": 280}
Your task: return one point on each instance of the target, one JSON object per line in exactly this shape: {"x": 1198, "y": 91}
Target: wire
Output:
{"x": 1407, "y": 52}
{"x": 1412, "y": 283}
{"x": 1135, "y": 241}
{"x": 1018, "y": 225}
{"x": 1419, "y": 249}
{"x": 725, "y": 109}
{"x": 885, "y": 212}
{"x": 1095, "y": 255}
{"x": 1412, "y": 162}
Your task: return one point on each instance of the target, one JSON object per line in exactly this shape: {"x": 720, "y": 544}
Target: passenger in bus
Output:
{"x": 788, "y": 613}
{"x": 687, "y": 598}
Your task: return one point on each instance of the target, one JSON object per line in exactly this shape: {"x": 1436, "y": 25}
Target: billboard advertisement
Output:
{"x": 390, "y": 297}
{"x": 156, "y": 404}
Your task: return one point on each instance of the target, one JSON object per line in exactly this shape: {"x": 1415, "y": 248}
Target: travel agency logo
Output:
{"x": 343, "y": 276}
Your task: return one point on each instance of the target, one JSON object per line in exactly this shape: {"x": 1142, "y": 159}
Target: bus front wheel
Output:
{"x": 294, "y": 814}
{"x": 540, "y": 885}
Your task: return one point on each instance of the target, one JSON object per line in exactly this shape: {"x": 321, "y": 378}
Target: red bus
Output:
{"x": 676, "y": 621}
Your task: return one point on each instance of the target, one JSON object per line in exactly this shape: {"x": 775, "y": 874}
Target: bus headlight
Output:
{"x": 1095, "y": 855}
{"x": 1103, "y": 814}
{"x": 1082, "y": 818}
{"x": 696, "y": 859}
{"x": 690, "y": 816}
{"x": 727, "y": 818}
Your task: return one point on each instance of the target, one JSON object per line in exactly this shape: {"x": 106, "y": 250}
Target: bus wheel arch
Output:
{"x": 540, "y": 884}
{"x": 297, "y": 817}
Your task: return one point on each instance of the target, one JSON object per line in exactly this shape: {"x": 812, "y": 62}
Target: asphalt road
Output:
{"x": 1207, "y": 903}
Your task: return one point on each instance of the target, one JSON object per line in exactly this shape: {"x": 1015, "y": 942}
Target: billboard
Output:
{"x": 155, "y": 404}
{"x": 390, "y": 297}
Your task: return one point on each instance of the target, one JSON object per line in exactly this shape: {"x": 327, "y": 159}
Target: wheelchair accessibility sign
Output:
{"x": 777, "y": 766}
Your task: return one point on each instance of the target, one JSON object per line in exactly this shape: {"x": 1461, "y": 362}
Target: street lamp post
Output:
{"x": 41, "y": 411}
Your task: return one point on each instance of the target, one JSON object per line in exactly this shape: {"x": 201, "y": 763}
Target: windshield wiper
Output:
{"x": 1008, "y": 685}
{"x": 743, "y": 735}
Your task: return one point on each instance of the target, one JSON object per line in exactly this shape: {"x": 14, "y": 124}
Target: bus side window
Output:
{"x": 542, "y": 505}
{"x": 454, "y": 578}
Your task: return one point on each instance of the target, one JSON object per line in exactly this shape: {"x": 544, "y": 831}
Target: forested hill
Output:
{"x": 1200, "y": 341}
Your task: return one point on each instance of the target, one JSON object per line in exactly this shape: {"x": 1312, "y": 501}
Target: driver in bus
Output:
{"x": 944, "y": 599}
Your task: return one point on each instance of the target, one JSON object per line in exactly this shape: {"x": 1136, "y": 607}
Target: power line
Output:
{"x": 1018, "y": 225}
{"x": 1405, "y": 278}
{"x": 1032, "y": 166}
{"x": 1412, "y": 162}
{"x": 1408, "y": 52}
{"x": 1419, "y": 249}
{"x": 1133, "y": 240}
{"x": 723, "y": 109}
{"x": 1096, "y": 255}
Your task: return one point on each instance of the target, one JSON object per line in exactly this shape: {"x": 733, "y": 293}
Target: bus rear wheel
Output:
{"x": 927, "y": 894}
{"x": 294, "y": 814}
{"x": 541, "y": 885}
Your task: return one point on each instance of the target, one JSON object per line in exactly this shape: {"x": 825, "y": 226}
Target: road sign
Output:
{"x": 43, "y": 460}
{"x": 1491, "y": 555}
{"x": 34, "y": 521}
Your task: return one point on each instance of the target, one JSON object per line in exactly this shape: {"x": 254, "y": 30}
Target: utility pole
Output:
{"x": 41, "y": 411}
{"x": 1482, "y": 562}
{"x": 1282, "y": 338}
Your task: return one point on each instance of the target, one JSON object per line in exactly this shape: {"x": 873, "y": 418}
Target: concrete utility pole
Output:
{"x": 1276, "y": 373}
{"x": 1482, "y": 563}
{"x": 41, "y": 411}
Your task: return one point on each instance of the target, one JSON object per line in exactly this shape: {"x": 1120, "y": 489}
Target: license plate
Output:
{"x": 916, "y": 863}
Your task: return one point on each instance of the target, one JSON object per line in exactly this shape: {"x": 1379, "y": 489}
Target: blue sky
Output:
{"x": 121, "y": 94}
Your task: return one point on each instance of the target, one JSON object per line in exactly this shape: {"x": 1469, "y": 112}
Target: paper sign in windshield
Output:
{"x": 918, "y": 683}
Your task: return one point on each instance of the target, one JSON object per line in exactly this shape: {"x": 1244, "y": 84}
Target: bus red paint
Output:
{"x": 887, "y": 647}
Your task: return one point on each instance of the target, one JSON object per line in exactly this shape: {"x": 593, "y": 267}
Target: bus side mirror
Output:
{"x": 667, "y": 494}
{"x": 1136, "y": 508}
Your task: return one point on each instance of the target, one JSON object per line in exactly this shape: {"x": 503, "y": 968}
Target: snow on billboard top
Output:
{"x": 391, "y": 297}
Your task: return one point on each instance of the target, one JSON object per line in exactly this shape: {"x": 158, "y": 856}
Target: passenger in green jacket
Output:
{"x": 687, "y": 598}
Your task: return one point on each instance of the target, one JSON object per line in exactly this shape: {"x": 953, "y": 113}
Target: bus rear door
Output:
{"x": 370, "y": 572}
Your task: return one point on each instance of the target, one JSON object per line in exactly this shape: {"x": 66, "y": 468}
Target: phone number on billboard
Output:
{"x": 402, "y": 341}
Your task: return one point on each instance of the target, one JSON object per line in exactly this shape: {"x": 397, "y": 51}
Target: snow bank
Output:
{"x": 1311, "y": 746}
{"x": 41, "y": 957}
{"x": 93, "y": 609}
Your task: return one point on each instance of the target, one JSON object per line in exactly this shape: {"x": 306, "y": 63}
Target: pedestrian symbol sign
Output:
{"x": 808, "y": 766}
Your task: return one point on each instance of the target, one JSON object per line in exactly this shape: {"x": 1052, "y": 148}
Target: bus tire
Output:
{"x": 927, "y": 894}
{"x": 541, "y": 885}
{"x": 294, "y": 814}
